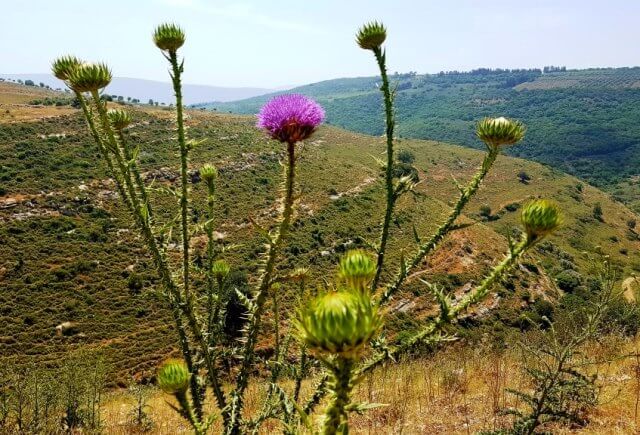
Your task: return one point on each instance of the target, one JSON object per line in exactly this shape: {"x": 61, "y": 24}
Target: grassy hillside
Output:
{"x": 583, "y": 122}
{"x": 69, "y": 255}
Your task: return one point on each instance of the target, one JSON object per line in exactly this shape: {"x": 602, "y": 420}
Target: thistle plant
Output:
{"x": 333, "y": 328}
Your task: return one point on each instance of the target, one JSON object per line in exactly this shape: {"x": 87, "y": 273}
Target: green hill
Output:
{"x": 584, "y": 122}
{"x": 69, "y": 255}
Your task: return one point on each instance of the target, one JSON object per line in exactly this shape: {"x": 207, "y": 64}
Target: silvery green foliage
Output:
{"x": 323, "y": 326}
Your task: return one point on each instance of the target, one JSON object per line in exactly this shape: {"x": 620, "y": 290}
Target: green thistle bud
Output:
{"x": 540, "y": 217}
{"x": 173, "y": 376}
{"x": 371, "y": 35}
{"x": 119, "y": 119}
{"x": 496, "y": 132}
{"x": 208, "y": 173}
{"x": 220, "y": 269}
{"x": 89, "y": 77}
{"x": 168, "y": 37}
{"x": 62, "y": 66}
{"x": 340, "y": 322}
{"x": 357, "y": 269}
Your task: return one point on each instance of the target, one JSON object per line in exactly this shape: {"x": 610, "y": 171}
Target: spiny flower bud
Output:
{"x": 371, "y": 35}
{"x": 339, "y": 322}
{"x": 119, "y": 119}
{"x": 173, "y": 376}
{"x": 220, "y": 269}
{"x": 357, "y": 269}
{"x": 540, "y": 217}
{"x": 62, "y": 66}
{"x": 89, "y": 77}
{"x": 496, "y": 132}
{"x": 208, "y": 173}
{"x": 168, "y": 37}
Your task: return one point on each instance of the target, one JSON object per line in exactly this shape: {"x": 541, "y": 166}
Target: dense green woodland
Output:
{"x": 584, "y": 122}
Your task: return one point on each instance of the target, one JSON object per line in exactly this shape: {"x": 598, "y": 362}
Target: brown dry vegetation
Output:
{"x": 457, "y": 391}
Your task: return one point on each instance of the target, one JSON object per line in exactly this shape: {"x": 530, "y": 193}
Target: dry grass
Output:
{"x": 457, "y": 391}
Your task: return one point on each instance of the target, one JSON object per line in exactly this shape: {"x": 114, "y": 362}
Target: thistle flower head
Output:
{"x": 339, "y": 322}
{"x": 89, "y": 77}
{"x": 119, "y": 118}
{"x": 62, "y": 66}
{"x": 357, "y": 269}
{"x": 220, "y": 269}
{"x": 173, "y": 376}
{"x": 540, "y": 217}
{"x": 168, "y": 37}
{"x": 208, "y": 173}
{"x": 371, "y": 35}
{"x": 496, "y": 132}
{"x": 290, "y": 118}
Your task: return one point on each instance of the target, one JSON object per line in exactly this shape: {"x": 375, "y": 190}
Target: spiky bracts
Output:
{"x": 357, "y": 269}
{"x": 339, "y": 322}
{"x": 290, "y": 118}
{"x": 540, "y": 217}
{"x": 497, "y": 132}
{"x": 89, "y": 77}
{"x": 119, "y": 119}
{"x": 371, "y": 35}
{"x": 64, "y": 65}
{"x": 173, "y": 376}
{"x": 168, "y": 37}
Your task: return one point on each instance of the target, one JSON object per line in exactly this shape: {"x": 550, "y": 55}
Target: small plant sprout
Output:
{"x": 335, "y": 327}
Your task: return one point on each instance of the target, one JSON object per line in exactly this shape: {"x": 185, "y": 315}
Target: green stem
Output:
{"x": 211, "y": 282}
{"x": 161, "y": 264}
{"x": 336, "y": 419}
{"x": 253, "y": 328}
{"x": 101, "y": 147}
{"x": 184, "y": 193}
{"x": 136, "y": 173}
{"x": 425, "y": 249}
{"x": 391, "y": 198}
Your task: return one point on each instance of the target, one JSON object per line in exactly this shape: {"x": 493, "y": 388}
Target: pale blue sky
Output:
{"x": 273, "y": 43}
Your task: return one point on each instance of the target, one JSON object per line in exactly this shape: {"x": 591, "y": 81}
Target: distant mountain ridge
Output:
{"x": 584, "y": 122}
{"x": 157, "y": 91}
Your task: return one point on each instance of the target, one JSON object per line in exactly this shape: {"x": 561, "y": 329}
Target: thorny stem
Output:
{"x": 128, "y": 155}
{"x": 184, "y": 193}
{"x": 159, "y": 259}
{"x": 336, "y": 418}
{"x": 425, "y": 249}
{"x": 428, "y": 334}
{"x": 210, "y": 278}
{"x": 391, "y": 198}
{"x": 259, "y": 300}
{"x": 101, "y": 147}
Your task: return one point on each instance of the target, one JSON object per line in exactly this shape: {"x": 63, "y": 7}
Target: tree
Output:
{"x": 524, "y": 177}
{"x": 597, "y": 212}
{"x": 150, "y": 102}
{"x": 29, "y": 83}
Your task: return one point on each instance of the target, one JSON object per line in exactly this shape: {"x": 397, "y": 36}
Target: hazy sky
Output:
{"x": 273, "y": 43}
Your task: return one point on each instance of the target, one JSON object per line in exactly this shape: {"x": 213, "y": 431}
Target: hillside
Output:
{"x": 144, "y": 90}
{"x": 584, "y": 122}
{"x": 69, "y": 255}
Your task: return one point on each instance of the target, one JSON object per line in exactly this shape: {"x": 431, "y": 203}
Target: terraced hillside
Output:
{"x": 584, "y": 122}
{"x": 68, "y": 254}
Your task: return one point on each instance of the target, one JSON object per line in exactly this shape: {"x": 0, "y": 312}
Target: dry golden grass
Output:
{"x": 457, "y": 391}
{"x": 14, "y": 104}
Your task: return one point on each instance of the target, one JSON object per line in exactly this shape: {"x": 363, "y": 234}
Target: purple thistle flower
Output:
{"x": 290, "y": 118}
